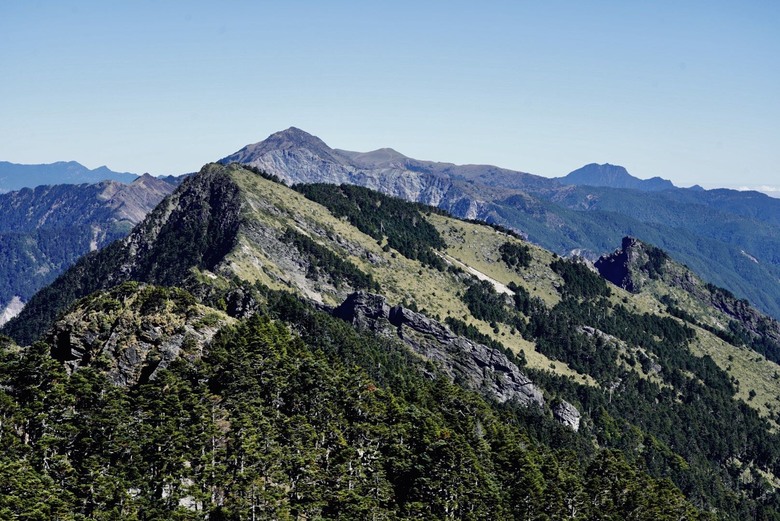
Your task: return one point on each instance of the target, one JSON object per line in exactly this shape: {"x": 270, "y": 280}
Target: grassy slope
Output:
{"x": 752, "y": 370}
{"x": 707, "y": 240}
{"x": 401, "y": 279}
{"x": 475, "y": 246}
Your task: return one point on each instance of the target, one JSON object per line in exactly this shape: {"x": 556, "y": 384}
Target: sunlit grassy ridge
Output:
{"x": 271, "y": 207}
{"x": 469, "y": 245}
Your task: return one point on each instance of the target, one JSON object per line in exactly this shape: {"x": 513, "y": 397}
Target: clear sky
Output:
{"x": 685, "y": 90}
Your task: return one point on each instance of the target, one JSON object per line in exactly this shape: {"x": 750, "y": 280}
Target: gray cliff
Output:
{"x": 477, "y": 366}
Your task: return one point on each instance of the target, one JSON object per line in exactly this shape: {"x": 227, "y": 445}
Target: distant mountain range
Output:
{"x": 15, "y": 176}
{"x": 729, "y": 237}
{"x": 43, "y": 230}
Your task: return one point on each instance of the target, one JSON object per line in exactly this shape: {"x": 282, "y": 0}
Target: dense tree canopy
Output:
{"x": 384, "y": 218}
{"x": 274, "y": 425}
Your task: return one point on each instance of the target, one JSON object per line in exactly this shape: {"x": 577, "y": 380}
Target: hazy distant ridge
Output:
{"x": 15, "y": 176}
{"x": 613, "y": 176}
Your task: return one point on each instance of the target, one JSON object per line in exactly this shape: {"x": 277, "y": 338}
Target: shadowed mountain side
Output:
{"x": 177, "y": 235}
{"x": 45, "y": 230}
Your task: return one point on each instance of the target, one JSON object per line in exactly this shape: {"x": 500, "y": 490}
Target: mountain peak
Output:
{"x": 613, "y": 176}
{"x": 291, "y": 139}
{"x": 297, "y": 136}
{"x": 376, "y": 158}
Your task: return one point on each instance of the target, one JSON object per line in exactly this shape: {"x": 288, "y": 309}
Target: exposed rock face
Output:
{"x": 567, "y": 415}
{"x": 617, "y": 267}
{"x": 11, "y": 310}
{"x": 755, "y": 323}
{"x": 132, "y": 202}
{"x": 136, "y": 330}
{"x": 240, "y": 304}
{"x": 631, "y": 266}
{"x": 365, "y": 311}
{"x": 298, "y": 157}
{"x": 478, "y": 366}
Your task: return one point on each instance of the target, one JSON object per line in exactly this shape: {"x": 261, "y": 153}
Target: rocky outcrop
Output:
{"x": 133, "y": 331}
{"x": 636, "y": 262}
{"x": 239, "y": 303}
{"x": 566, "y": 414}
{"x": 758, "y": 328}
{"x": 617, "y": 267}
{"x": 475, "y": 365}
{"x": 13, "y": 308}
{"x": 366, "y": 311}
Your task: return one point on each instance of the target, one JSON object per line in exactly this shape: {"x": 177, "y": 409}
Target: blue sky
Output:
{"x": 683, "y": 90}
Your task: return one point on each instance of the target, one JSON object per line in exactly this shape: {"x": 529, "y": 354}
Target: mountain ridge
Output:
{"x": 566, "y": 218}
{"x": 14, "y": 176}
{"x": 613, "y": 176}
{"x": 287, "y": 376}
{"x": 43, "y": 230}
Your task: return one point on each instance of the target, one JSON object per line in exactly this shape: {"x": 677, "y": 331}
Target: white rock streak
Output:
{"x": 501, "y": 288}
